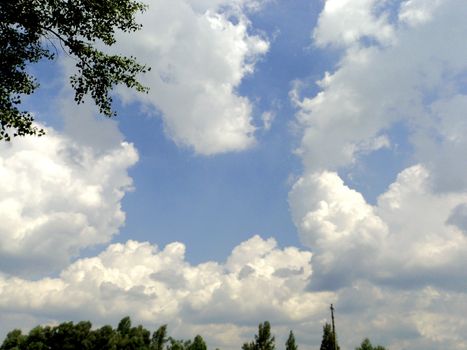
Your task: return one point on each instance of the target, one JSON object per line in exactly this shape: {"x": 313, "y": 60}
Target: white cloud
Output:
{"x": 412, "y": 237}
{"x": 415, "y": 12}
{"x": 225, "y": 301}
{"x": 345, "y": 22}
{"x": 415, "y": 232}
{"x": 427, "y": 318}
{"x": 198, "y": 58}
{"x": 258, "y": 281}
{"x": 56, "y": 197}
{"x": 338, "y": 225}
{"x": 440, "y": 142}
{"x": 401, "y": 260}
{"x": 268, "y": 118}
{"x": 397, "y": 266}
{"x": 376, "y": 86}
{"x": 202, "y": 6}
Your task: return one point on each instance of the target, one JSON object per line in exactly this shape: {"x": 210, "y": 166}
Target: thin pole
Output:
{"x": 333, "y": 327}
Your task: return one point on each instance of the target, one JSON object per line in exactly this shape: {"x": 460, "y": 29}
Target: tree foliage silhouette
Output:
{"x": 366, "y": 345}
{"x": 290, "y": 343}
{"x": 264, "y": 340}
{"x": 70, "y": 336}
{"x": 329, "y": 341}
{"x": 32, "y": 30}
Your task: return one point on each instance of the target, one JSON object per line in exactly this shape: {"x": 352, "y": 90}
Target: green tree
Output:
{"x": 38, "y": 338}
{"x": 175, "y": 344}
{"x": 198, "y": 344}
{"x": 104, "y": 338}
{"x": 132, "y": 338}
{"x": 124, "y": 326}
{"x": 329, "y": 341}
{"x": 159, "y": 338}
{"x": 263, "y": 340}
{"x": 366, "y": 345}
{"x": 290, "y": 343}
{"x": 249, "y": 346}
{"x": 138, "y": 339}
{"x": 13, "y": 340}
{"x": 68, "y": 336}
{"x": 31, "y": 30}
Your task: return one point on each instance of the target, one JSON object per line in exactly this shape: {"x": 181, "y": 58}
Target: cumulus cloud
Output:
{"x": 415, "y": 12}
{"x": 396, "y": 266}
{"x": 225, "y": 301}
{"x": 339, "y": 226}
{"x": 407, "y": 80}
{"x": 258, "y": 281}
{"x": 57, "y": 197}
{"x": 199, "y": 56}
{"x": 345, "y": 22}
{"x": 413, "y": 237}
{"x": 415, "y": 231}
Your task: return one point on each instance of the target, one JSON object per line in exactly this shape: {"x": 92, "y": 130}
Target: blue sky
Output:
{"x": 224, "y": 199}
{"x": 289, "y": 155}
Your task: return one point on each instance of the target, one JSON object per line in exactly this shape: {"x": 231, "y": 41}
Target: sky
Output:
{"x": 289, "y": 155}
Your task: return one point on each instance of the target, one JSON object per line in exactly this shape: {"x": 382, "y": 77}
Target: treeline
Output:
{"x": 70, "y": 336}
{"x": 329, "y": 341}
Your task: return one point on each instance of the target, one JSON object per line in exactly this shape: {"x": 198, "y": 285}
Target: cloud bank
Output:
{"x": 397, "y": 266}
{"x": 152, "y": 285}
{"x": 56, "y": 198}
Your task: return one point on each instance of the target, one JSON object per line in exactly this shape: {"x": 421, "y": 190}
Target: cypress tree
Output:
{"x": 290, "y": 343}
{"x": 329, "y": 341}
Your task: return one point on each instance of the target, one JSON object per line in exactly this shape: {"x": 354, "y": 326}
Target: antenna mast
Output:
{"x": 333, "y": 327}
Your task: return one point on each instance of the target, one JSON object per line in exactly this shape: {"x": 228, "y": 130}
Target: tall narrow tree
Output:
{"x": 290, "y": 343}
{"x": 264, "y": 340}
{"x": 329, "y": 341}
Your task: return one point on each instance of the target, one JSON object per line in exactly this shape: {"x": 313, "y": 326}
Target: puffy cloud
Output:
{"x": 426, "y": 318}
{"x": 225, "y": 301}
{"x": 396, "y": 266}
{"x": 199, "y": 56}
{"x": 440, "y": 142}
{"x": 339, "y": 226}
{"x": 413, "y": 237}
{"x": 407, "y": 80}
{"x": 416, "y": 226}
{"x": 258, "y": 281}
{"x": 345, "y": 22}
{"x": 414, "y": 234}
{"x": 415, "y": 12}
{"x": 57, "y": 197}
{"x": 202, "y": 6}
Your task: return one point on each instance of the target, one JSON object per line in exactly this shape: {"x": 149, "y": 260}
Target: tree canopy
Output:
{"x": 366, "y": 345}
{"x": 32, "y": 30}
{"x": 264, "y": 340}
{"x": 290, "y": 343}
{"x": 70, "y": 336}
{"x": 159, "y": 338}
